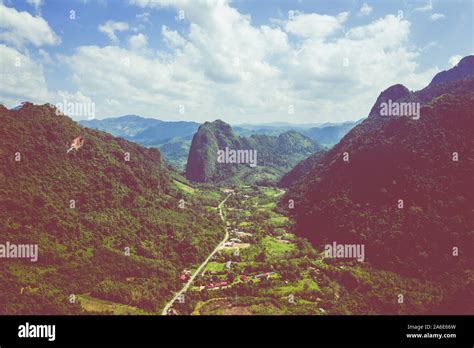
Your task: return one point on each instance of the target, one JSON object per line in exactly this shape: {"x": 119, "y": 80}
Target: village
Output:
{"x": 255, "y": 257}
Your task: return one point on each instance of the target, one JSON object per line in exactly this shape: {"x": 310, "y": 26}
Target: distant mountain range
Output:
{"x": 274, "y": 155}
{"x": 400, "y": 185}
{"x": 327, "y": 134}
{"x": 173, "y": 138}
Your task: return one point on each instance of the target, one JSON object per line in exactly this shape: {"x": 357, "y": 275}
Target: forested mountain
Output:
{"x": 274, "y": 155}
{"x": 400, "y": 185}
{"x": 173, "y": 138}
{"x": 301, "y": 169}
{"x": 330, "y": 135}
{"x": 84, "y": 209}
{"x": 461, "y": 71}
{"x": 326, "y": 134}
{"x": 165, "y": 131}
{"x": 124, "y": 126}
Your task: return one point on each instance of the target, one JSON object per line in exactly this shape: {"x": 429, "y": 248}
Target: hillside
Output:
{"x": 274, "y": 155}
{"x": 461, "y": 71}
{"x": 393, "y": 158}
{"x": 302, "y": 169}
{"x": 84, "y": 209}
{"x": 172, "y": 138}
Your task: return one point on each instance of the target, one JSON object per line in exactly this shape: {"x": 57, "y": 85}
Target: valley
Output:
{"x": 118, "y": 230}
{"x": 262, "y": 268}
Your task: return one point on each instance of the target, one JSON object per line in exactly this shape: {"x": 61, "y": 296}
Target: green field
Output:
{"x": 215, "y": 266}
{"x": 278, "y": 221}
{"x": 294, "y": 288}
{"x": 92, "y": 304}
{"x": 184, "y": 187}
{"x": 274, "y": 248}
{"x": 271, "y": 192}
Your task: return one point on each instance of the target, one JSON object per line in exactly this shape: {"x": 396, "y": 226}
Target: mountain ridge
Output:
{"x": 275, "y": 154}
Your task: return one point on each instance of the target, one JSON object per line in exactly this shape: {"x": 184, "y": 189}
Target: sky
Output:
{"x": 247, "y": 61}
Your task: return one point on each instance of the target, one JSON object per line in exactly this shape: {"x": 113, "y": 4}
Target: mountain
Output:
{"x": 84, "y": 209}
{"x": 124, "y": 126}
{"x": 176, "y": 151}
{"x": 353, "y": 194}
{"x": 330, "y": 135}
{"x": 165, "y": 131}
{"x": 302, "y": 169}
{"x": 464, "y": 69}
{"x": 326, "y": 134}
{"x": 274, "y": 155}
{"x": 173, "y": 138}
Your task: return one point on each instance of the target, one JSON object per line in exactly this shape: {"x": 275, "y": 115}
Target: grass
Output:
{"x": 274, "y": 248}
{"x": 278, "y": 221}
{"x": 269, "y": 191}
{"x": 92, "y": 304}
{"x": 215, "y": 266}
{"x": 270, "y": 205}
{"x": 296, "y": 287}
{"x": 184, "y": 187}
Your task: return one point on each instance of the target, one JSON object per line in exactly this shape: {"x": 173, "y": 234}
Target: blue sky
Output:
{"x": 296, "y": 61}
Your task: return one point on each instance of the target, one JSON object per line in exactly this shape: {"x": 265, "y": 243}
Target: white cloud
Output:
{"x": 110, "y": 27}
{"x": 222, "y": 65}
{"x": 454, "y": 60}
{"x": 144, "y": 17}
{"x": 138, "y": 42}
{"x": 315, "y": 25}
{"x": 365, "y": 10}
{"x": 21, "y": 28}
{"x": 22, "y": 78}
{"x": 45, "y": 57}
{"x": 171, "y": 37}
{"x": 436, "y": 16}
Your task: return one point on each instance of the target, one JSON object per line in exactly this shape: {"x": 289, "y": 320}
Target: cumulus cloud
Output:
{"x": 110, "y": 27}
{"x": 222, "y": 65}
{"x": 138, "y": 42}
{"x": 315, "y": 25}
{"x": 21, "y": 28}
{"x": 22, "y": 78}
{"x": 365, "y": 10}
{"x": 171, "y": 37}
{"x": 454, "y": 60}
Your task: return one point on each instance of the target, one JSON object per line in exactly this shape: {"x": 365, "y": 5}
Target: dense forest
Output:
{"x": 107, "y": 218}
{"x": 401, "y": 186}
